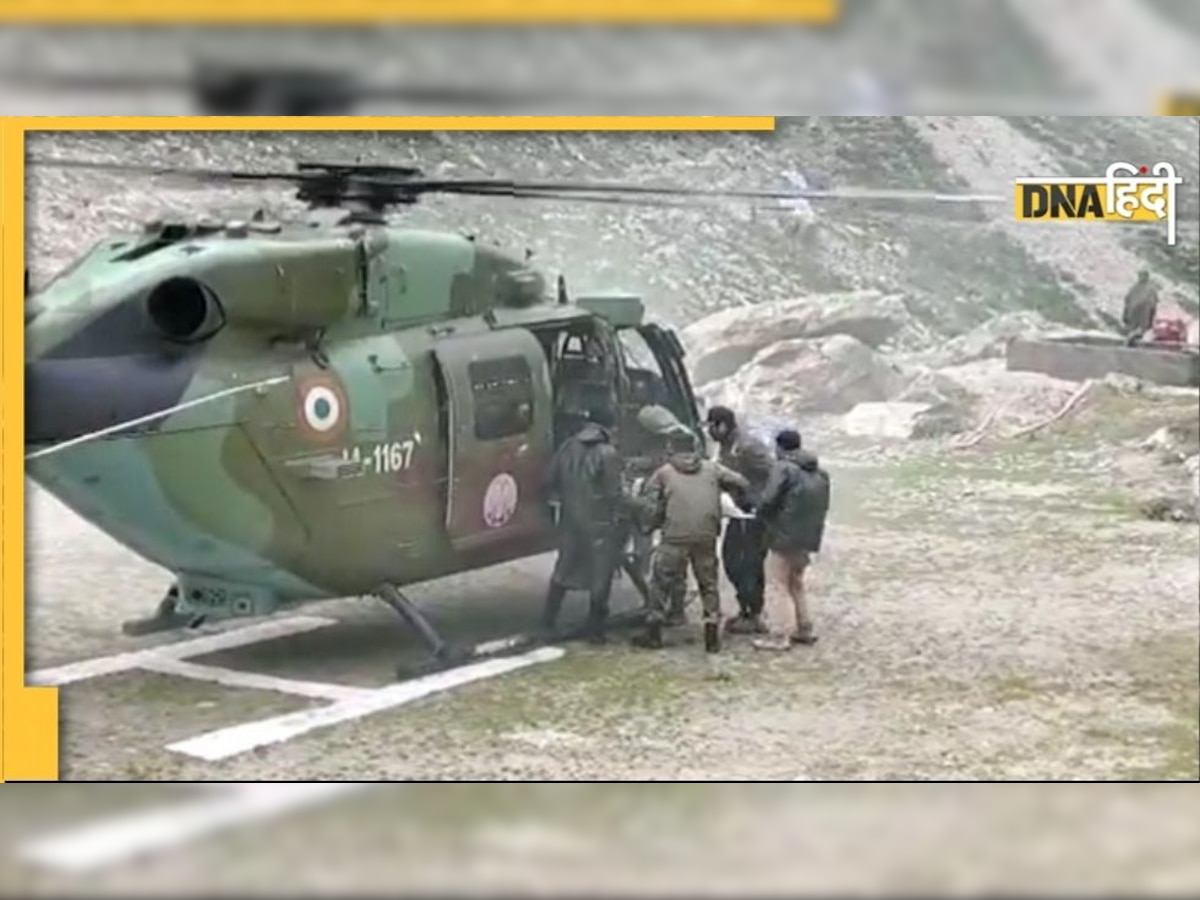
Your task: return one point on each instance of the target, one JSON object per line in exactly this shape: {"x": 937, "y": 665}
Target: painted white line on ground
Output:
{"x": 213, "y": 643}
{"x": 253, "y": 680}
{"x": 123, "y": 838}
{"x": 227, "y": 742}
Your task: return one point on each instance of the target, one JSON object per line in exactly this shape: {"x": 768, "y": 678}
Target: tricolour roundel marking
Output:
{"x": 323, "y": 410}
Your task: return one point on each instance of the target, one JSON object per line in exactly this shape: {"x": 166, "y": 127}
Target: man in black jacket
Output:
{"x": 585, "y": 477}
{"x": 793, "y": 508}
{"x": 743, "y": 550}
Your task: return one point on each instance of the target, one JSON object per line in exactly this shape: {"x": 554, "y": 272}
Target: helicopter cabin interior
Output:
{"x": 612, "y": 361}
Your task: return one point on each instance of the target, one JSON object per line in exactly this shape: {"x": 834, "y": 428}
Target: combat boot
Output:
{"x": 651, "y": 638}
{"x": 676, "y": 617}
{"x": 712, "y": 637}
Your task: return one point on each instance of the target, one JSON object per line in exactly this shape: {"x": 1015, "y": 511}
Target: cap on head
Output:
{"x": 788, "y": 440}
{"x": 722, "y": 415}
{"x": 1143, "y": 274}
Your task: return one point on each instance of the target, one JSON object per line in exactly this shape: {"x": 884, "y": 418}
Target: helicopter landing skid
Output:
{"x": 445, "y": 656}
{"x": 166, "y": 617}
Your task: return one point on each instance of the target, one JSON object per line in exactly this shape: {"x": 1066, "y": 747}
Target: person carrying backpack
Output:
{"x": 793, "y": 507}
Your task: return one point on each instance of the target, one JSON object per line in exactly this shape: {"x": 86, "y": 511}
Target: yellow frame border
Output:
{"x": 29, "y": 715}
{"x": 1179, "y": 103}
{"x": 457, "y": 12}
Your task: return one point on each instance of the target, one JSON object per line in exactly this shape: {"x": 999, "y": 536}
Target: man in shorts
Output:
{"x": 793, "y": 508}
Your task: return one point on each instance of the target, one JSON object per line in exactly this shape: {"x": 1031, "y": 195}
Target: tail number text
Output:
{"x": 383, "y": 458}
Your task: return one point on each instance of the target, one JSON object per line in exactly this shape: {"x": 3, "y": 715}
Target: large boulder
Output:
{"x": 802, "y": 377}
{"x": 989, "y": 340}
{"x": 1004, "y": 397}
{"x": 722, "y": 343}
{"x": 886, "y": 420}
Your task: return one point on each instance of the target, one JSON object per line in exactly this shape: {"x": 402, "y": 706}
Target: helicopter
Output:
{"x": 337, "y": 405}
{"x": 279, "y": 412}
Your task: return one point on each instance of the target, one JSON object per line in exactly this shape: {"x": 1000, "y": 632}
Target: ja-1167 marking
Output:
{"x": 386, "y": 458}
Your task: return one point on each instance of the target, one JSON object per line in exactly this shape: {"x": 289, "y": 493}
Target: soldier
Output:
{"x": 659, "y": 424}
{"x": 1141, "y": 305}
{"x": 792, "y": 508}
{"x": 743, "y": 550}
{"x": 686, "y": 494}
{"x": 585, "y": 477}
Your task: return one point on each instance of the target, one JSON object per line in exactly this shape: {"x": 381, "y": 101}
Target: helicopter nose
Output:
{"x": 73, "y": 398}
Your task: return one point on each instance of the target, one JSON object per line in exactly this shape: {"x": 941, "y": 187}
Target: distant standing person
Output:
{"x": 1141, "y": 306}
{"x": 743, "y": 551}
{"x": 685, "y": 496}
{"x": 793, "y": 509}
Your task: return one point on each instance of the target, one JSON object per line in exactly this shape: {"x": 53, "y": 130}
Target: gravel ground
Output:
{"x": 984, "y": 615}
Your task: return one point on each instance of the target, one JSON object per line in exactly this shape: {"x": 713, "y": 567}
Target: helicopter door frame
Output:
{"x": 664, "y": 343}
{"x": 499, "y": 436}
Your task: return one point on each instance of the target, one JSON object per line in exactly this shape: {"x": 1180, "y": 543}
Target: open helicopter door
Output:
{"x": 500, "y": 436}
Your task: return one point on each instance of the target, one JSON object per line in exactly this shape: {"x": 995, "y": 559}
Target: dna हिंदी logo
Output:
{"x": 1126, "y": 193}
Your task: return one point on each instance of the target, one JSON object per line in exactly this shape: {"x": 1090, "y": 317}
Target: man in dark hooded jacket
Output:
{"x": 1139, "y": 309}
{"x": 585, "y": 477}
{"x": 686, "y": 497}
{"x": 793, "y": 508}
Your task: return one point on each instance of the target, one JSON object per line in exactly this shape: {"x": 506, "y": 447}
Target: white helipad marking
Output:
{"x": 253, "y": 680}
{"x": 227, "y": 742}
{"x": 123, "y": 662}
{"x": 122, "y": 838}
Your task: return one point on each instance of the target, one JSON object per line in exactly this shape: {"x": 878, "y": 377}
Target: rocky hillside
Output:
{"x": 954, "y": 265}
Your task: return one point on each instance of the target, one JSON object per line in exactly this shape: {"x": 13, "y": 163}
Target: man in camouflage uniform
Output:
{"x": 659, "y": 424}
{"x": 686, "y": 494}
{"x": 1141, "y": 305}
{"x": 744, "y": 549}
{"x": 585, "y": 477}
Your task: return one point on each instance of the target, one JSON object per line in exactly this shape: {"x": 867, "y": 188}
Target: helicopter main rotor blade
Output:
{"x": 196, "y": 173}
{"x": 404, "y": 186}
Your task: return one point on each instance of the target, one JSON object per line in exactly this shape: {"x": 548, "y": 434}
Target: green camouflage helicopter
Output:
{"x": 281, "y": 412}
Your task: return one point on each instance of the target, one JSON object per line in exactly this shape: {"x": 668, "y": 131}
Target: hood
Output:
{"x": 687, "y": 463}
{"x": 591, "y": 433}
{"x": 803, "y": 458}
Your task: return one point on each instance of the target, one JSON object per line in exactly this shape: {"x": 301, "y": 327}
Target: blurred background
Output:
{"x": 1072, "y": 57}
